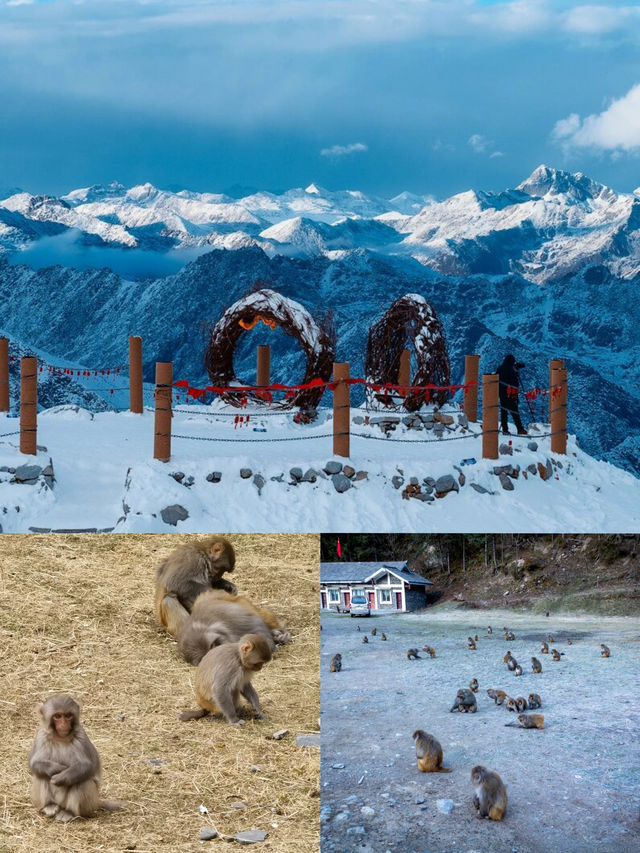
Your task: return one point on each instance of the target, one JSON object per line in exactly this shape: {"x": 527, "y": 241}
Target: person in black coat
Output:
{"x": 509, "y": 390}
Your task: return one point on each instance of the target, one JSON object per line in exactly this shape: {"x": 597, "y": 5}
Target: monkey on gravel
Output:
{"x": 383, "y": 636}
{"x": 509, "y": 636}
{"x": 512, "y": 663}
{"x": 544, "y": 650}
{"x": 365, "y": 639}
{"x": 569, "y": 641}
{"x": 336, "y": 663}
{"x": 519, "y": 704}
{"x": 517, "y": 670}
{"x": 534, "y": 701}
{"x": 65, "y": 764}
{"x": 489, "y": 630}
{"x": 555, "y": 654}
{"x": 429, "y": 650}
{"x": 498, "y": 696}
{"x": 473, "y": 685}
{"x": 374, "y": 631}
{"x": 606, "y": 652}
{"x": 188, "y": 571}
{"x": 412, "y": 654}
{"x": 536, "y": 665}
{"x": 471, "y": 643}
{"x": 357, "y": 627}
{"x": 465, "y": 701}
{"x": 507, "y": 656}
{"x": 218, "y": 617}
{"x": 528, "y": 721}
{"x": 224, "y": 674}
{"x": 490, "y": 798}
{"x": 550, "y": 638}
{"x": 428, "y": 753}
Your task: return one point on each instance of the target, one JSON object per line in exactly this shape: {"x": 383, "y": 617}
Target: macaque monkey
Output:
{"x": 517, "y": 670}
{"x": 473, "y": 685}
{"x": 506, "y": 657}
{"x": 512, "y": 663}
{"x": 224, "y": 674}
{"x": 498, "y": 696}
{"x": 521, "y": 704}
{"x": 465, "y": 701}
{"x": 555, "y": 654}
{"x": 188, "y": 571}
{"x": 511, "y": 704}
{"x": 534, "y": 701}
{"x": 490, "y": 798}
{"x": 489, "y": 630}
{"x": 336, "y": 663}
{"x": 528, "y": 721}
{"x": 218, "y": 617}
{"x": 471, "y": 643}
{"x": 428, "y": 753}
{"x": 476, "y": 638}
{"x": 429, "y": 650}
{"x": 65, "y": 764}
{"x": 357, "y": 627}
{"x": 509, "y": 636}
{"x": 569, "y": 641}
{"x": 550, "y": 638}
{"x": 544, "y": 650}
{"x": 374, "y": 631}
{"x": 365, "y": 639}
{"x": 536, "y": 665}
{"x": 383, "y": 636}
{"x": 606, "y": 651}
{"x": 412, "y": 654}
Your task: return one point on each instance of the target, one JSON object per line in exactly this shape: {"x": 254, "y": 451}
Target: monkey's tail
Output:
{"x": 513, "y": 725}
{"x": 444, "y": 770}
{"x": 495, "y": 813}
{"x": 112, "y": 805}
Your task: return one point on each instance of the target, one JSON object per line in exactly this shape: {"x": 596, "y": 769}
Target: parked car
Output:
{"x": 359, "y": 606}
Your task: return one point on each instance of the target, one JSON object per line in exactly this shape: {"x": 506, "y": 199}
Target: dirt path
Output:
{"x": 573, "y": 788}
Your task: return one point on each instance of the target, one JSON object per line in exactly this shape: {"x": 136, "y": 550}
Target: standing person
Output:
{"x": 509, "y": 390}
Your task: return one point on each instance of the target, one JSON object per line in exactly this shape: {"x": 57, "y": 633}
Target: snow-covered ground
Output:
{"x": 573, "y": 787}
{"x": 105, "y": 476}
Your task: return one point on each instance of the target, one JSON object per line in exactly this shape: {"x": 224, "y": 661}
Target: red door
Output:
{"x": 398, "y": 601}
{"x": 347, "y": 599}
{"x": 372, "y": 600}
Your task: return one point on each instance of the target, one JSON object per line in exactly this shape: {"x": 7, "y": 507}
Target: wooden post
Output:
{"x": 4, "y": 375}
{"x": 404, "y": 372}
{"x": 471, "y": 373}
{"x": 490, "y": 389}
{"x": 135, "y": 375}
{"x": 162, "y": 397}
{"x": 263, "y": 367}
{"x": 554, "y": 364}
{"x": 558, "y": 411}
{"x": 341, "y": 409}
{"x": 29, "y": 405}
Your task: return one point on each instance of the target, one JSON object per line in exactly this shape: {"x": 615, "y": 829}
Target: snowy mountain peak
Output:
{"x": 313, "y": 189}
{"x": 546, "y": 181}
{"x": 97, "y": 192}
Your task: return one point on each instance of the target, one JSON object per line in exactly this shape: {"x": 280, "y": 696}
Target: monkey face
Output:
{"x": 62, "y": 722}
{"x": 478, "y": 774}
{"x": 61, "y": 714}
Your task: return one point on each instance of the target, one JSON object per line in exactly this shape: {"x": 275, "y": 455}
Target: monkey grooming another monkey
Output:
{"x": 218, "y": 617}
{"x": 65, "y": 764}
{"x": 188, "y": 571}
{"x": 490, "y": 798}
{"x": 412, "y": 654}
{"x": 536, "y": 665}
{"x": 528, "y": 721}
{"x": 498, "y": 696}
{"x": 224, "y": 674}
{"x": 521, "y": 704}
{"x": 509, "y": 636}
{"x": 336, "y": 663}
{"x": 606, "y": 652}
{"x": 473, "y": 685}
{"x": 429, "y": 650}
{"x": 465, "y": 701}
{"x": 534, "y": 701}
{"x": 428, "y": 753}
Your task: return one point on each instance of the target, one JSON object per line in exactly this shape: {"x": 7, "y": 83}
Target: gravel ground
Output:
{"x": 572, "y": 788}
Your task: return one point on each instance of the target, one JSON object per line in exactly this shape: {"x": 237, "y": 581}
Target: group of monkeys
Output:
{"x": 223, "y": 633}
{"x": 490, "y": 798}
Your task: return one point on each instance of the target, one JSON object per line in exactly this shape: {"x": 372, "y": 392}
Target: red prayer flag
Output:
{"x": 339, "y": 549}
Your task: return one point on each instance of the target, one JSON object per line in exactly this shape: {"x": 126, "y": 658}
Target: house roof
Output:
{"x": 360, "y": 572}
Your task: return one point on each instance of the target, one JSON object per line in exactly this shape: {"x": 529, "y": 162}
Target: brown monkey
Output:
{"x": 550, "y": 638}
{"x": 429, "y": 650}
{"x": 498, "y": 696}
{"x": 506, "y": 657}
{"x": 606, "y": 651}
{"x": 336, "y": 663}
{"x": 556, "y": 654}
{"x": 465, "y": 701}
{"x": 365, "y": 639}
{"x": 471, "y": 643}
{"x": 509, "y": 636}
{"x": 544, "y": 650}
{"x": 569, "y": 641}
{"x": 224, "y": 674}
{"x": 511, "y": 704}
{"x": 473, "y": 685}
{"x": 528, "y": 721}
{"x": 65, "y": 764}
{"x": 521, "y": 704}
{"x": 428, "y": 753}
{"x": 517, "y": 669}
{"x": 534, "y": 701}
{"x": 188, "y": 571}
{"x": 383, "y": 636}
{"x": 489, "y": 630}
{"x": 536, "y": 665}
{"x": 512, "y": 663}
{"x": 374, "y": 631}
{"x": 476, "y": 638}
{"x": 490, "y": 798}
{"x": 412, "y": 654}
{"x": 218, "y": 617}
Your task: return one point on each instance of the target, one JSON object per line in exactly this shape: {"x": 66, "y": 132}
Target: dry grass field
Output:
{"x": 76, "y": 616}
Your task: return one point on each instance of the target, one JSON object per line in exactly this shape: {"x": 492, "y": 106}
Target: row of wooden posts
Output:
{"x": 163, "y": 396}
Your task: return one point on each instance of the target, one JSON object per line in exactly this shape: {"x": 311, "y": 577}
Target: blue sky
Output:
{"x": 433, "y": 96}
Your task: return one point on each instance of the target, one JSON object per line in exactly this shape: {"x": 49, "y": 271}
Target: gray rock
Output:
{"x": 502, "y": 469}
{"x": 446, "y": 484}
{"x": 245, "y": 473}
{"x": 173, "y": 514}
{"x": 419, "y": 801}
{"x": 386, "y": 420}
{"x": 208, "y": 834}
{"x": 214, "y": 477}
{"x": 397, "y": 481}
{"x": 178, "y": 476}
{"x": 238, "y": 805}
{"x": 357, "y": 419}
{"x": 445, "y": 806}
{"x": 414, "y": 481}
{"x": 333, "y": 467}
{"x": 549, "y": 469}
{"x": 278, "y": 479}
{"x": 438, "y": 429}
{"x": 295, "y": 473}
{"x": 428, "y": 424}
{"x": 425, "y": 497}
{"x": 250, "y": 836}
{"x": 308, "y": 740}
{"x": 48, "y": 474}
{"x": 367, "y": 811}
{"x": 559, "y": 464}
{"x": 429, "y": 481}
{"x": 361, "y": 475}
{"x": 356, "y": 830}
{"x": 258, "y": 482}
{"x": 532, "y": 445}
{"x": 338, "y": 766}
{"x": 310, "y": 476}
{"x": 340, "y": 482}
{"x": 27, "y": 474}
{"x": 462, "y": 479}
{"x": 341, "y": 817}
{"x": 506, "y": 482}
{"x": 428, "y": 488}
{"x": 463, "y": 420}
{"x": 5, "y": 469}
{"x": 278, "y": 735}
{"x": 532, "y": 469}
{"x": 505, "y": 450}
{"x": 189, "y": 481}
{"x": 348, "y": 471}
{"x": 38, "y": 530}
{"x": 480, "y": 489}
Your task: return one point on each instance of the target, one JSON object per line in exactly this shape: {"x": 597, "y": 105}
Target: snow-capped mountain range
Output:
{"x": 546, "y": 228}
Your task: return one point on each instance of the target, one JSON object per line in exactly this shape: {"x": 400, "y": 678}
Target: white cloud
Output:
{"x": 342, "y": 150}
{"x": 615, "y": 129}
{"x": 482, "y": 145}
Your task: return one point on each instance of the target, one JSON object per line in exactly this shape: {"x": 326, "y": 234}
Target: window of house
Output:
{"x": 385, "y": 596}
{"x": 334, "y": 595}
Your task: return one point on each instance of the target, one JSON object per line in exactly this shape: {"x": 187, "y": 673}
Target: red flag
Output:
{"x": 339, "y": 549}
